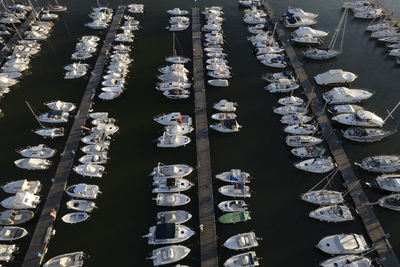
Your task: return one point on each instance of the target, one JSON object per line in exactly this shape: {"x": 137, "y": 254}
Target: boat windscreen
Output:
{"x": 55, "y": 113}
{"x": 171, "y": 182}
{"x": 229, "y": 124}
{"x": 291, "y": 20}
{"x": 251, "y": 259}
{"x": 165, "y": 231}
{"x": 238, "y": 186}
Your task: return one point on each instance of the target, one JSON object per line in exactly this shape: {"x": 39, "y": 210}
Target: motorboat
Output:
{"x": 173, "y": 67}
{"x": 295, "y": 119}
{"x": 108, "y": 95}
{"x": 21, "y": 200}
{"x": 295, "y": 22}
{"x": 74, "y": 259}
{"x": 50, "y": 132}
{"x": 178, "y": 27}
{"x": 177, "y": 12}
{"x": 173, "y": 216}
{"x": 176, "y": 94}
{"x": 347, "y": 260}
{"x": 177, "y": 60}
{"x": 54, "y": 116}
{"x": 274, "y": 61}
{"x": 97, "y": 25}
{"x": 390, "y": 32}
{"x": 302, "y": 140}
{"x": 381, "y": 164}
{"x": 291, "y": 100}
{"x": 335, "y": 76}
{"x": 370, "y": 13}
{"x": 316, "y": 165}
{"x": 171, "y": 185}
{"x": 74, "y": 74}
{"x": 390, "y": 202}
{"x": 114, "y": 83}
{"x": 136, "y": 8}
{"x": 395, "y": 52}
{"x": 225, "y": 106}
{"x": 98, "y": 115}
{"x": 85, "y": 191}
{"x": 172, "y": 140}
{"x": 223, "y": 116}
{"x": 309, "y": 31}
{"x": 344, "y": 95}
{"x": 174, "y": 118}
{"x": 357, "y": 4}
{"x": 269, "y": 50}
{"x": 242, "y": 241}
{"x": 81, "y": 56}
{"x": 210, "y": 27}
{"x": 387, "y": 182}
{"x": 46, "y": 15}
{"x": 7, "y": 252}
{"x": 169, "y": 254}
{"x": 282, "y": 86}
{"x": 366, "y": 135}
{"x": 75, "y": 217}
{"x": 57, "y": 8}
{"x": 308, "y": 151}
{"x": 96, "y": 138}
{"x": 320, "y": 54}
{"x": 40, "y": 151}
{"x": 245, "y": 259}
{"x": 94, "y": 149}
{"x": 254, "y": 19}
{"x": 226, "y": 126}
{"x": 323, "y": 197}
{"x": 81, "y": 205}
{"x": 24, "y": 185}
{"x": 343, "y": 244}
{"x": 171, "y": 171}
{"x": 391, "y": 39}
{"x": 168, "y": 233}
{"x": 345, "y": 108}
{"x": 11, "y": 233}
{"x": 235, "y": 190}
{"x": 33, "y": 164}
{"x": 232, "y": 206}
{"x": 61, "y": 105}
{"x": 15, "y": 217}
{"x": 90, "y": 170}
{"x": 172, "y": 200}
{"x": 220, "y": 74}
{"x": 361, "y": 118}
{"x": 94, "y": 159}
{"x": 107, "y": 128}
{"x": 179, "y": 19}
{"x": 164, "y": 86}
{"x": 234, "y": 217}
{"x": 307, "y": 39}
{"x": 379, "y": 26}
{"x": 290, "y": 109}
{"x": 234, "y": 176}
{"x": 302, "y": 129}
{"x": 275, "y": 77}
{"x": 298, "y": 12}
{"x": 335, "y": 213}
{"x": 218, "y": 82}
{"x": 178, "y": 129}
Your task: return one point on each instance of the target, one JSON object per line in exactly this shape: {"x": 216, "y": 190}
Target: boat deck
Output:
{"x": 42, "y": 235}
{"x": 208, "y": 238}
{"x": 371, "y": 223}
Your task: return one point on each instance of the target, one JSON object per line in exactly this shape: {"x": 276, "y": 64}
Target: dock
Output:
{"x": 44, "y": 229}
{"x": 208, "y": 237}
{"x": 371, "y": 223}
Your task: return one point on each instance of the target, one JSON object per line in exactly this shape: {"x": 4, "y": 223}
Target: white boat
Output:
{"x": 86, "y": 191}
{"x": 290, "y": 109}
{"x": 388, "y": 182}
{"x": 275, "y": 77}
{"x": 232, "y": 206}
{"x": 90, "y": 170}
{"x": 97, "y": 25}
{"x": 24, "y": 185}
{"x": 343, "y": 244}
{"x": 298, "y": 12}
{"x": 81, "y": 205}
{"x": 282, "y": 86}
{"x": 379, "y": 26}
{"x": 235, "y": 190}
{"x": 307, "y": 39}
{"x": 247, "y": 259}
{"x": 94, "y": 159}
{"x": 308, "y": 151}
{"x": 174, "y": 118}
{"x": 254, "y": 19}
{"x": 291, "y": 100}
{"x": 309, "y": 31}
{"x": 336, "y": 213}
{"x": 15, "y": 217}
{"x": 61, "y": 105}
{"x": 11, "y": 233}
{"x": 7, "y": 252}
{"x": 321, "y": 54}
{"x": 173, "y": 140}
{"x": 33, "y": 164}
{"x": 234, "y": 176}
{"x": 57, "y": 8}
{"x": 50, "y": 132}
{"x": 344, "y": 95}
{"x": 218, "y": 82}
{"x": 295, "y": 22}
{"x": 227, "y": 126}
{"x": 361, "y": 118}
{"x": 386, "y": 33}
{"x": 220, "y": 74}
{"x": 177, "y": 60}
{"x": 316, "y": 165}
{"x": 177, "y": 12}
{"x": 74, "y": 259}
{"x": 173, "y": 67}
{"x": 178, "y": 27}
{"x": 368, "y": 13}
{"x": 171, "y": 200}
{"x": 178, "y": 129}
{"x": 295, "y": 119}
{"x": 74, "y": 74}
{"x": 171, "y": 171}
{"x": 357, "y": 4}
{"x": 366, "y": 135}
{"x": 164, "y": 86}
{"x": 395, "y": 52}
{"x": 323, "y": 197}
{"x": 40, "y": 151}
{"x": 173, "y": 216}
{"x": 168, "y": 233}
{"x": 176, "y": 94}
{"x": 108, "y": 95}
{"x": 392, "y": 39}
{"x": 302, "y": 140}
{"x": 274, "y": 61}
{"x": 269, "y": 50}
{"x": 300, "y": 129}
{"x": 96, "y": 138}
{"x": 169, "y": 254}
{"x": 54, "y": 116}
{"x": 46, "y": 15}
{"x": 136, "y": 8}
{"x": 347, "y": 261}
{"x": 98, "y": 115}
{"x": 381, "y": 164}
{"x": 223, "y": 116}
{"x": 344, "y": 108}
{"x": 94, "y": 149}
{"x": 390, "y": 202}
{"x": 81, "y": 56}
{"x": 225, "y": 106}
{"x": 171, "y": 185}
{"x": 75, "y": 217}
{"x": 21, "y": 200}
{"x": 242, "y": 241}
{"x": 335, "y": 76}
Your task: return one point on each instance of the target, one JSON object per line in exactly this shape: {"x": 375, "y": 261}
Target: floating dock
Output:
{"x": 44, "y": 229}
{"x": 371, "y": 223}
{"x": 208, "y": 237}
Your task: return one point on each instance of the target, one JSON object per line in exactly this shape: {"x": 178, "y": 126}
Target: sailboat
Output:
{"x": 174, "y": 58}
{"x": 330, "y": 52}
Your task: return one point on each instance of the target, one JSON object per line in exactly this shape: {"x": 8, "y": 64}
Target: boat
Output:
{"x": 227, "y": 126}
{"x": 46, "y": 15}
{"x": 95, "y": 149}
{"x": 309, "y": 31}
{"x": 54, "y": 116}
{"x": 368, "y": 13}
{"x": 344, "y": 95}
{"x": 295, "y": 119}
{"x": 390, "y": 40}
{"x": 136, "y": 8}
{"x": 274, "y": 61}
{"x": 173, "y": 140}
{"x": 307, "y": 39}
{"x": 335, "y": 76}
{"x": 178, "y": 129}
{"x": 366, "y": 135}
{"x": 171, "y": 171}
{"x": 81, "y": 205}
{"x": 291, "y": 100}
{"x": 23, "y": 186}
{"x": 98, "y": 115}
{"x": 386, "y": 33}
{"x": 323, "y": 197}
{"x": 302, "y": 140}
{"x": 218, "y": 82}
{"x": 168, "y": 233}
{"x": 177, "y": 12}
{"x": 347, "y": 261}
{"x": 335, "y": 213}
{"x": 174, "y": 118}
{"x": 74, "y": 259}
{"x": 390, "y": 202}
{"x": 171, "y": 185}
{"x": 232, "y": 206}
{"x": 50, "y": 132}
{"x": 308, "y": 151}
{"x": 164, "y": 86}
{"x": 7, "y": 252}
{"x": 290, "y": 109}
{"x": 320, "y": 54}
{"x": 300, "y": 129}
{"x": 94, "y": 138}
{"x": 15, "y": 217}
{"x": 11, "y": 233}
{"x": 40, "y": 151}
{"x": 176, "y": 94}
{"x": 295, "y": 22}
{"x": 171, "y": 200}
{"x": 269, "y": 50}
{"x": 361, "y": 118}
{"x": 100, "y": 158}
{"x": 177, "y": 27}
{"x": 345, "y": 108}
{"x": 86, "y": 191}
{"x": 379, "y": 26}
{"x": 282, "y": 86}
{"x": 61, "y": 105}
{"x": 75, "y": 217}
{"x": 343, "y": 244}
{"x": 235, "y": 190}
{"x": 388, "y": 182}
{"x": 90, "y": 170}
{"x": 223, "y": 116}
{"x": 169, "y": 254}
{"x": 242, "y": 241}
{"x": 234, "y": 176}
{"x": 33, "y": 164}
{"x": 173, "y": 216}
{"x": 316, "y": 165}
{"x": 248, "y": 259}
{"x": 225, "y": 106}
{"x": 81, "y": 56}
{"x": 106, "y": 128}
{"x": 74, "y": 74}
{"x": 298, "y": 12}
{"x": 57, "y": 8}
{"x": 234, "y": 217}
{"x": 356, "y": 4}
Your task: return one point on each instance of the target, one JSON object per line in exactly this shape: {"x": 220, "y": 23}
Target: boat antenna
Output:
{"x": 30, "y": 108}
{"x": 391, "y": 112}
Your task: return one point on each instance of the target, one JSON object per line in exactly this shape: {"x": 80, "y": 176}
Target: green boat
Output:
{"x": 235, "y": 217}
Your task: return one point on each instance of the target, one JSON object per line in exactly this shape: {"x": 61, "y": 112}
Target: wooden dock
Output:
{"x": 43, "y": 232}
{"x": 208, "y": 238}
{"x": 371, "y": 223}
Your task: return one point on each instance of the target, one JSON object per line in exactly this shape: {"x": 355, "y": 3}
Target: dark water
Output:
{"x": 112, "y": 235}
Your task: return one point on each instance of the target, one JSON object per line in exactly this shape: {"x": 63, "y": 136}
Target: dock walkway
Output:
{"x": 208, "y": 238}
{"x": 43, "y": 232}
{"x": 371, "y": 223}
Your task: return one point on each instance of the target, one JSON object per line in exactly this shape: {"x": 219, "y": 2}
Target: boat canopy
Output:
{"x": 80, "y": 188}
{"x": 229, "y": 124}
{"x": 165, "y": 231}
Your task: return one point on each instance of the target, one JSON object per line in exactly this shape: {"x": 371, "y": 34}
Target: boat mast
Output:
{"x": 173, "y": 45}
{"x": 391, "y": 112}
{"x": 337, "y": 31}
{"x": 30, "y": 108}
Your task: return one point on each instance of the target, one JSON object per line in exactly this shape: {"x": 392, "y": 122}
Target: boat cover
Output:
{"x": 165, "y": 231}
